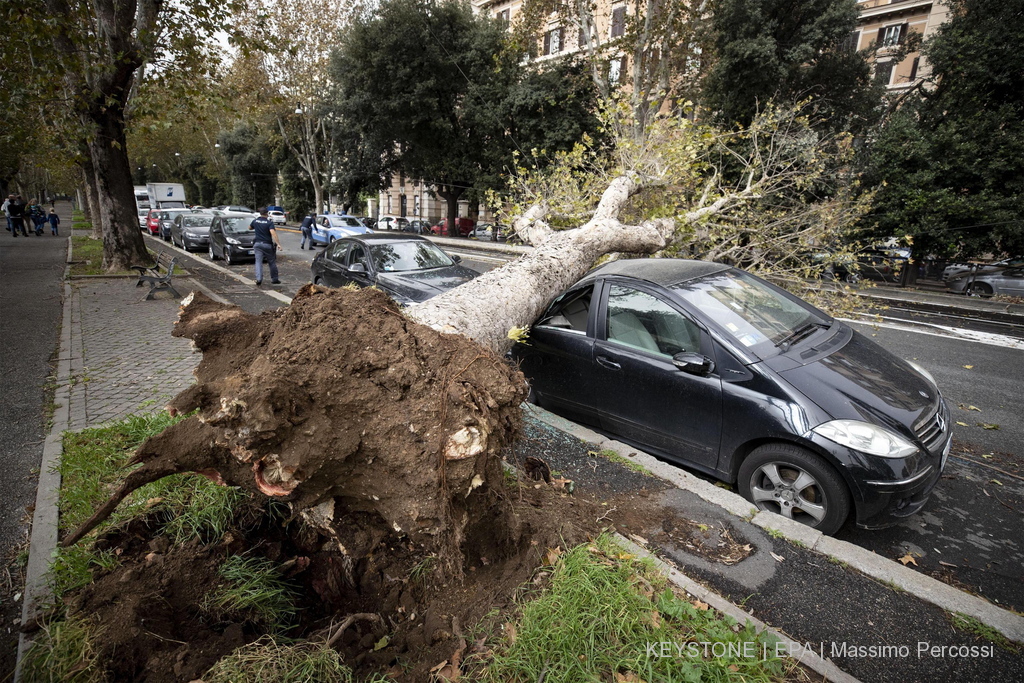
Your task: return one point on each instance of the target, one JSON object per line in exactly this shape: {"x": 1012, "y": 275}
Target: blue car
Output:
{"x": 326, "y": 229}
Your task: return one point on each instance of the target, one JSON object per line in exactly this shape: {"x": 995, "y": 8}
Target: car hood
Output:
{"x": 197, "y": 231}
{"x": 863, "y": 381}
{"x": 244, "y": 238}
{"x": 420, "y": 285}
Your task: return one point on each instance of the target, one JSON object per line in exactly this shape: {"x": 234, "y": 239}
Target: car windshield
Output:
{"x": 761, "y": 317}
{"x": 345, "y": 222}
{"x": 402, "y": 256}
{"x": 237, "y": 223}
{"x": 196, "y": 221}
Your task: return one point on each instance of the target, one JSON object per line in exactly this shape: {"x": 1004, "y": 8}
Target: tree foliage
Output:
{"x": 786, "y": 51}
{"x": 950, "y": 164}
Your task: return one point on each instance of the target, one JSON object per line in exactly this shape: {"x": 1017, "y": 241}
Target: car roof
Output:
{"x": 659, "y": 271}
{"x": 375, "y": 237}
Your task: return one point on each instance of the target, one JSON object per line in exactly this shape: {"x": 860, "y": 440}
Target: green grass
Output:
{"x": 62, "y": 653}
{"x": 184, "y": 506}
{"x": 254, "y": 592}
{"x": 599, "y": 617}
{"x": 87, "y": 256}
{"x": 609, "y": 454}
{"x": 962, "y": 622}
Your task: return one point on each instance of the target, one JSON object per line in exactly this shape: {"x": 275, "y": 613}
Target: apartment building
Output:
{"x": 885, "y": 25}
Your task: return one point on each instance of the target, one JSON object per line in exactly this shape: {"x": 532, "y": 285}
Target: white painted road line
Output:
{"x": 946, "y": 331}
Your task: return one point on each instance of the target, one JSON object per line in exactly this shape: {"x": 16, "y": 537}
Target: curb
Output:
{"x": 823, "y": 667}
{"x": 883, "y": 569}
{"x": 43, "y": 538}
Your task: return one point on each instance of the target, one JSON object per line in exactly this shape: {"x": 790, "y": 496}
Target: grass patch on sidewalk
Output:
{"x": 186, "y": 506}
{"x": 87, "y": 256}
{"x": 609, "y": 616}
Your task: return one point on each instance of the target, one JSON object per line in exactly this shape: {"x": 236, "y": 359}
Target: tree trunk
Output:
{"x": 92, "y": 199}
{"x": 123, "y": 245}
{"x": 451, "y": 195}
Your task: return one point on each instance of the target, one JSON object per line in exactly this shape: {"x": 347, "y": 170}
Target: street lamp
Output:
{"x": 298, "y": 109}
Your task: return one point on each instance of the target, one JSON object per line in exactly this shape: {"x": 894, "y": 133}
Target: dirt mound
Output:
{"x": 344, "y": 408}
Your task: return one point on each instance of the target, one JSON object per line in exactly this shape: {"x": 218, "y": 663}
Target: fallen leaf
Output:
{"x": 968, "y": 366}
{"x": 439, "y": 667}
{"x": 733, "y": 667}
{"x": 996, "y": 481}
{"x": 702, "y": 606}
{"x": 974, "y": 408}
{"x": 510, "y": 633}
{"x": 986, "y": 493}
{"x": 560, "y": 484}
{"x": 381, "y": 644}
{"x": 639, "y": 539}
{"x": 963, "y": 424}
{"x": 778, "y": 558}
{"x": 908, "y": 559}
{"x": 987, "y": 456}
{"x": 655, "y": 619}
{"x": 552, "y": 555}
{"x": 985, "y": 425}
{"x": 625, "y": 556}
{"x": 946, "y": 564}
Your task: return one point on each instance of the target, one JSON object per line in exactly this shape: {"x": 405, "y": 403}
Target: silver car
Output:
{"x": 1008, "y": 281}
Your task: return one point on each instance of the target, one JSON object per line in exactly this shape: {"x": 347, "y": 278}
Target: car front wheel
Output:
{"x": 797, "y": 484}
{"x": 213, "y": 255}
{"x": 228, "y": 261}
{"x": 979, "y": 289}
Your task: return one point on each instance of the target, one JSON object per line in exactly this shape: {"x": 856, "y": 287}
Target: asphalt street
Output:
{"x": 31, "y": 291}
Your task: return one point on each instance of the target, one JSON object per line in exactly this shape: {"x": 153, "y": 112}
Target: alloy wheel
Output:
{"x": 789, "y": 491}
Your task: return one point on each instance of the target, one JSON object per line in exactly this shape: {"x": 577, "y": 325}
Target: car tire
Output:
{"x": 330, "y": 239}
{"x": 213, "y": 254}
{"x": 795, "y": 483}
{"x": 318, "y": 281}
{"x": 228, "y": 261}
{"x": 981, "y": 289}
{"x": 852, "y": 278}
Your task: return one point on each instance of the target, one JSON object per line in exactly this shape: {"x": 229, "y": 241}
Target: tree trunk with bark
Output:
{"x": 451, "y": 194}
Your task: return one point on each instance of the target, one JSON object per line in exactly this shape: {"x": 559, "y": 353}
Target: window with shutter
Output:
{"x": 618, "y": 21}
{"x": 547, "y": 43}
{"x": 883, "y": 72}
{"x": 913, "y": 68}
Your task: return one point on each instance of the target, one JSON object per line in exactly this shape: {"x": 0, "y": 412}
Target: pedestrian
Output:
{"x": 307, "y": 231}
{"x": 265, "y": 244}
{"x": 17, "y": 213}
{"x": 54, "y": 221}
{"x": 37, "y": 215}
{"x": 7, "y": 211}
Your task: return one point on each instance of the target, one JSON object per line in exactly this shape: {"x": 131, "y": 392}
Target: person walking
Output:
{"x": 38, "y": 216}
{"x": 17, "y": 212}
{"x": 54, "y": 220}
{"x": 307, "y": 231}
{"x": 265, "y": 244}
{"x": 7, "y": 213}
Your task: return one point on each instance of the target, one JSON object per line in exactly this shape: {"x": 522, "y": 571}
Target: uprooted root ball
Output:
{"x": 341, "y": 406}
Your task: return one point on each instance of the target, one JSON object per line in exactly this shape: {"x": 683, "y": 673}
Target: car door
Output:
{"x": 359, "y": 254}
{"x": 1011, "y": 282}
{"x": 558, "y": 356}
{"x": 332, "y": 264}
{"x": 643, "y": 395}
{"x": 217, "y": 237}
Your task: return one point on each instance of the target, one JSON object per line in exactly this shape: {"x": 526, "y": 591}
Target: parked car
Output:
{"x": 143, "y": 216}
{"x": 277, "y": 216}
{"x": 158, "y": 221}
{"x": 417, "y": 227}
{"x": 326, "y": 229}
{"x": 237, "y": 209}
{"x": 484, "y": 231}
{"x": 391, "y": 223}
{"x": 465, "y": 226}
{"x": 954, "y": 269}
{"x": 989, "y": 281}
{"x": 708, "y": 366}
{"x": 167, "y": 217}
{"x": 191, "y": 231}
{"x": 409, "y": 268}
{"x": 231, "y": 238}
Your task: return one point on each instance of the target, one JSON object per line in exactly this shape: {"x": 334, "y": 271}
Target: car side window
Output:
{"x": 570, "y": 311}
{"x": 357, "y": 255}
{"x": 336, "y": 252}
{"x": 643, "y": 321}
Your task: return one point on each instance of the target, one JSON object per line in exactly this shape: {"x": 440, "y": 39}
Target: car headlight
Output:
{"x": 927, "y": 375}
{"x": 191, "y": 235}
{"x": 866, "y": 438}
{"x": 231, "y": 240}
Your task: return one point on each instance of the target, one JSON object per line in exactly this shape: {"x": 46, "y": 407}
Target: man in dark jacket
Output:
{"x": 265, "y": 244}
{"x": 307, "y": 231}
{"x": 17, "y": 211}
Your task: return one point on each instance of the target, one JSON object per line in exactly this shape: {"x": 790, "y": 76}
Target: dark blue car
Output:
{"x": 711, "y": 367}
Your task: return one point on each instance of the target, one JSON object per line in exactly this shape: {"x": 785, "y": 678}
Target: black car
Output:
{"x": 409, "y": 268}
{"x": 417, "y": 227}
{"x": 191, "y": 231}
{"x": 231, "y": 238}
{"x": 711, "y": 367}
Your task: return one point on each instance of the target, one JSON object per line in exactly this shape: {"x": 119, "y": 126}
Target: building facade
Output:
{"x": 885, "y": 26}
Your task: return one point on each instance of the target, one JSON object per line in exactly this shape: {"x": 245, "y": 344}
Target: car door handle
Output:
{"x": 608, "y": 363}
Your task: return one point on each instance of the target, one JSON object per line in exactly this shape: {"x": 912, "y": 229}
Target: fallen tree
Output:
{"x": 375, "y": 423}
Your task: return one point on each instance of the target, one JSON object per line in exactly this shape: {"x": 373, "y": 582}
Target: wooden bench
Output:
{"x": 151, "y": 275}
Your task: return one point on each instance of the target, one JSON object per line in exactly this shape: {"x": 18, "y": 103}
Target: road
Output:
{"x": 971, "y": 533}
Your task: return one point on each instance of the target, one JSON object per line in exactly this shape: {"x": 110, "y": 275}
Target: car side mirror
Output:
{"x": 456, "y": 258}
{"x": 693, "y": 363}
{"x": 357, "y": 268}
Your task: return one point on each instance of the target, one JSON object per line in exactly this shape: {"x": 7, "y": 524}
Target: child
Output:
{"x": 54, "y": 220}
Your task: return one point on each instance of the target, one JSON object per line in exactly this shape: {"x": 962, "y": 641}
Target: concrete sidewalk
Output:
{"x": 121, "y": 359}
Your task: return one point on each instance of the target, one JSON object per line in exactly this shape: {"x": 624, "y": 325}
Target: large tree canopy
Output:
{"x": 951, "y": 164}
{"x": 787, "y": 51}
